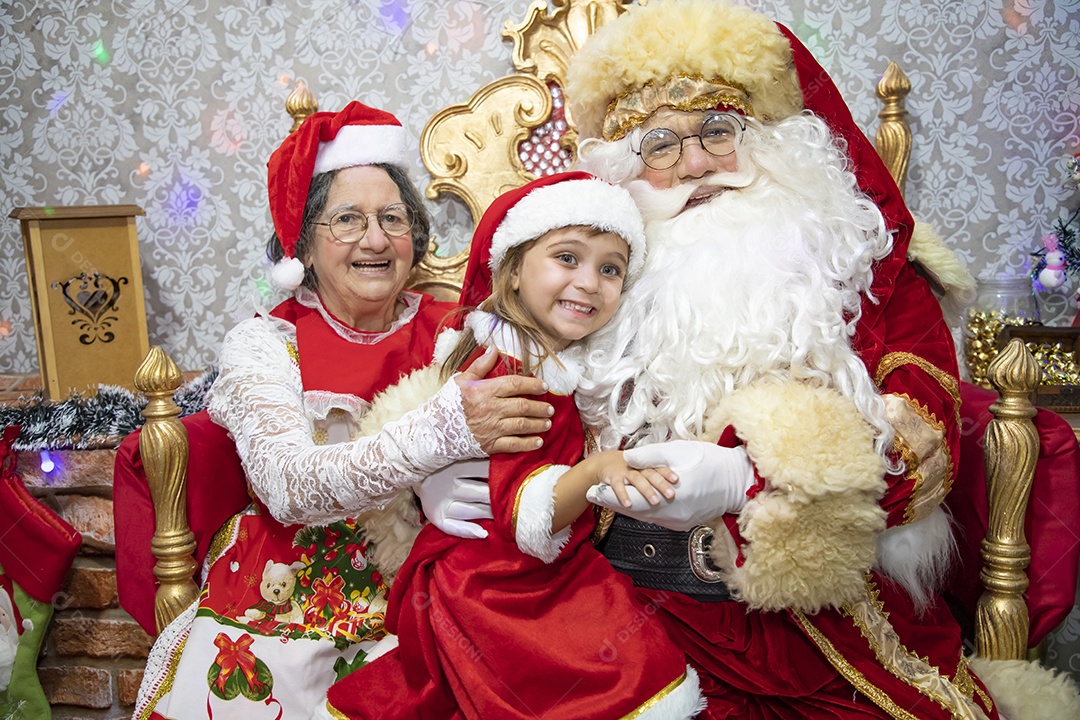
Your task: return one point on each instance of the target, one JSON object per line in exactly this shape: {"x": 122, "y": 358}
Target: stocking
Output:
{"x": 36, "y": 551}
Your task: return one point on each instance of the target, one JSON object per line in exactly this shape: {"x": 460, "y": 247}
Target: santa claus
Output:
{"x": 782, "y": 354}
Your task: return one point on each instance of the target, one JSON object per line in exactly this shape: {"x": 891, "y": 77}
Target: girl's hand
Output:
{"x": 611, "y": 469}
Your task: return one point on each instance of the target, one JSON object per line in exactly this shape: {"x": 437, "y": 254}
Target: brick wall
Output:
{"x": 93, "y": 656}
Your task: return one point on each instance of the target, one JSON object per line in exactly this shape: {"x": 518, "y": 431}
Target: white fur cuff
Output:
{"x": 535, "y": 508}
{"x": 811, "y": 535}
{"x": 682, "y": 701}
{"x": 1025, "y": 690}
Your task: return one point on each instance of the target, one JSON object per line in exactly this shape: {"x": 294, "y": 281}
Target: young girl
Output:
{"x": 532, "y": 621}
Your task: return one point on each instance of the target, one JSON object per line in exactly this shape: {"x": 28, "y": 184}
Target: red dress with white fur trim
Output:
{"x": 521, "y": 624}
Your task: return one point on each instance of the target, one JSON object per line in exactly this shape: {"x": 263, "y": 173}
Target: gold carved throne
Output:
{"x": 514, "y": 129}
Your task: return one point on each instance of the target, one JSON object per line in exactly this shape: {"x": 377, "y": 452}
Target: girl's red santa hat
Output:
{"x": 549, "y": 203}
{"x": 326, "y": 141}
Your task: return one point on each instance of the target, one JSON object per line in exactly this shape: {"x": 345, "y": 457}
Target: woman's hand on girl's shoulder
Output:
{"x": 498, "y": 417}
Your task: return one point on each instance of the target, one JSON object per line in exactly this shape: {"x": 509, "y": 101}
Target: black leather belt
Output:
{"x": 661, "y": 559}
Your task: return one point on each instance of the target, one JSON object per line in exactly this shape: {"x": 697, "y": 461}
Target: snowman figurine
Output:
{"x": 1053, "y": 275}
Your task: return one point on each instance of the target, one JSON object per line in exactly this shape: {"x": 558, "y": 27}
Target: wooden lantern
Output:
{"x": 86, "y": 291}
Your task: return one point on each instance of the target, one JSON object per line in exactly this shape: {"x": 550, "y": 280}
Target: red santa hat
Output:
{"x": 683, "y": 54}
{"x": 357, "y": 135}
{"x": 545, "y": 204}
{"x": 697, "y": 54}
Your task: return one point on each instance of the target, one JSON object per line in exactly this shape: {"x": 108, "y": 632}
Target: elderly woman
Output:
{"x": 294, "y": 591}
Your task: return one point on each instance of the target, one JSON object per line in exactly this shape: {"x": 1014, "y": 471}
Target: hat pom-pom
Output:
{"x": 28, "y": 625}
{"x": 288, "y": 273}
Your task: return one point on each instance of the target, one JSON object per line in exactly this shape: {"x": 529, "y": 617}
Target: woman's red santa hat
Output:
{"x": 549, "y": 203}
{"x": 326, "y": 141}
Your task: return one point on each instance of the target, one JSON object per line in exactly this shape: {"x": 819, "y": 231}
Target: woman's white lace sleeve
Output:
{"x": 258, "y": 397}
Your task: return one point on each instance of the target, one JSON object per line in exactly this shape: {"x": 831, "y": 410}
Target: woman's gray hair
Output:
{"x": 319, "y": 193}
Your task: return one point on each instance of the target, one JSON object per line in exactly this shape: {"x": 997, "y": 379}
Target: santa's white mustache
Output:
{"x": 659, "y": 204}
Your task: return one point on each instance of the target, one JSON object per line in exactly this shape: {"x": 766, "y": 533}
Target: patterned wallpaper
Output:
{"x": 175, "y": 105}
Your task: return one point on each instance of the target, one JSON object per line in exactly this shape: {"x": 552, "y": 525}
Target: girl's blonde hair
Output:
{"x": 505, "y": 303}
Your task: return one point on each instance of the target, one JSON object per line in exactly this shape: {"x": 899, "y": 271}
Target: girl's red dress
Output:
{"x": 488, "y": 631}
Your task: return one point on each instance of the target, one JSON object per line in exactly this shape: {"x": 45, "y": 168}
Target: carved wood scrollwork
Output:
{"x": 471, "y": 149}
{"x": 544, "y": 44}
{"x": 163, "y": 445}
{"x": 1012, "y": 447}
{"x": 440, "y": 277}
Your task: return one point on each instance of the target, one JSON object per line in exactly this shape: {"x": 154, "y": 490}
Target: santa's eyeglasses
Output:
{"x": 661, "y": 148}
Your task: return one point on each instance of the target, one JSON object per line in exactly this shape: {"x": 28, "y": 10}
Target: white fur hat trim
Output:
{"x": 593, "y": 203}
{"x": 362, "y": 145}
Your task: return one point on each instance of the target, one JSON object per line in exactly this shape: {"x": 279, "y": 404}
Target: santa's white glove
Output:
{"x": 455, "y": 496}
{"x": 713, "y": 480}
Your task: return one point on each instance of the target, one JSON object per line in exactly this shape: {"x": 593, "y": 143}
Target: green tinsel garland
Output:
{"x": 90, "y": 423}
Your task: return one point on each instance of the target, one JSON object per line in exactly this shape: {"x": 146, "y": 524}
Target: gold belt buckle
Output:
{"x": 698, "y": 545}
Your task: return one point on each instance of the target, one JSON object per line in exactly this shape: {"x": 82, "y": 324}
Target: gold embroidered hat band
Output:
{"x": 634, "y": 106}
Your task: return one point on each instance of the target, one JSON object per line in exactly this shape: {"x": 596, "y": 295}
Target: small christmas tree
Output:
{"x": 1064, "y": 239}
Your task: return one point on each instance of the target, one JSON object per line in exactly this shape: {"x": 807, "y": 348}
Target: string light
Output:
{"x": 47, "y": 464}
{"x": 5, "y": 328}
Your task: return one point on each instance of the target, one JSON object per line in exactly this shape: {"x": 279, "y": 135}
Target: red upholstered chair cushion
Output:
{"x": 216, "y": 490}
{"x": 1052, "y": 526}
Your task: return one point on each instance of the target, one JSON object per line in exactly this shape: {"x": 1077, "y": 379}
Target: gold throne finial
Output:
{"x": 893, "y": 139}
{"x": 300, "y": 104}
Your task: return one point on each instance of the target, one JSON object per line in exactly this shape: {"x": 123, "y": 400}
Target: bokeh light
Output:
{"x": 183, "y": 201}
{"x": 57, "y": 101}
{"x": 263, "y": 287}
{"x": 100, "y": 53}
{"x": 395, "y": 15}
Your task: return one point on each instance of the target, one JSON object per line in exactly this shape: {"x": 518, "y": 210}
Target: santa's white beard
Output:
{"x": 9, "y": 644}
{"x": 751, "y": 286}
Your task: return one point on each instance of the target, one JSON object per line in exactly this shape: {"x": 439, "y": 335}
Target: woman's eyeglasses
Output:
{"x": 349, "y": 226}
